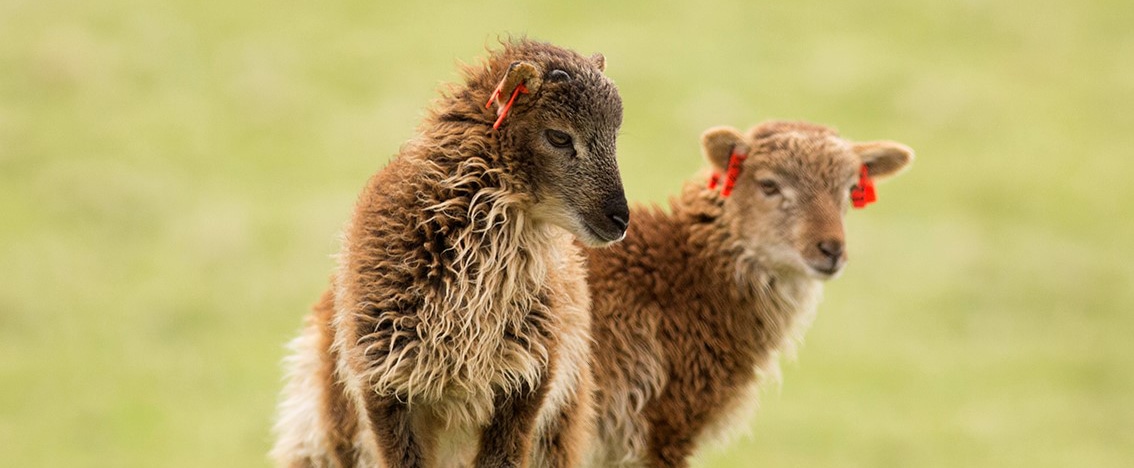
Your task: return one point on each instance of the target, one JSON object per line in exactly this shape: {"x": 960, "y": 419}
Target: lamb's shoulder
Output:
{"x": 495, "y": 299}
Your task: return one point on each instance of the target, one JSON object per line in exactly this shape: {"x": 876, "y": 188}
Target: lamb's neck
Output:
{"x": 781, "y": 303}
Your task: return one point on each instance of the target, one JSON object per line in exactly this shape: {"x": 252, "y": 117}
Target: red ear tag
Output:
{"x": 503, "y": 112}
{"x": 495, "y": 94}
{"x": 714, "y": 180}
{"x": 734, "y": 162}
{"x": 863, "y": 193}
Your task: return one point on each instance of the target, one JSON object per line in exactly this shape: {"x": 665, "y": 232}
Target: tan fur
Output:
{"x": 457, "y": 331}
{"x": 693, "y": 309}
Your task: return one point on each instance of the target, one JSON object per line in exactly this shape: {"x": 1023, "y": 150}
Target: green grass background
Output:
{"x": 174, "y": 175}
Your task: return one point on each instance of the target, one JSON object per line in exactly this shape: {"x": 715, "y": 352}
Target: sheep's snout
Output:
{"x": 610, "y": 226}
{"x": 618, "y": 213}
{"x": 827, "y": 257}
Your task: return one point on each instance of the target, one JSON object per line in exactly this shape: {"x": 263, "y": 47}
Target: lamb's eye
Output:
{"x": 558, "y": 139}
{"x": 769, "y": 187}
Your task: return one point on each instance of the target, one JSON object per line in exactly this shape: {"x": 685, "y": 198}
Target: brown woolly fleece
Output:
{"x": 456, "y": 330}
{"x": 693, "y": 308}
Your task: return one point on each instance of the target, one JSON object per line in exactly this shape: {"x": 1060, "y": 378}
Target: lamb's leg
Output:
{"x": 339, "y": 413}
{"x": 561, "y": 444}
{"x": 401, "y": 443}
{"x": 673, "y": 426}
{"x": 507, "y": 440}
{"x": 342, "y": 419}
{"x": 318, "y": 422}
{"x": 675, "y": 455}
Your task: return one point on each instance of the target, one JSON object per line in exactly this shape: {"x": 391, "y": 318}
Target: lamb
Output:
{"x": 692, "y": 309}
{"x": 456, "y": 330}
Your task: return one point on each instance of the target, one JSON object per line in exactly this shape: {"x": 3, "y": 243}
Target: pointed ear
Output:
{"x": 600, "y": 61}
{"x": 884, "y": 159}
{"x": 526, "y": 73}
{"x": 718, "y": 144}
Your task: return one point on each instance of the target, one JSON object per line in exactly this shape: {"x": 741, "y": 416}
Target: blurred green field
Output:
{"x": 174, "y": 175}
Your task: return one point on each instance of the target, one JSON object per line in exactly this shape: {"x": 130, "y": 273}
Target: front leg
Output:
{"x": 507, "y": 440}
{"x": 561, "y": 443}
{"x": 677, "y": 421}
{"x": 670, "y": 447}
{"x": 401, "y": 443}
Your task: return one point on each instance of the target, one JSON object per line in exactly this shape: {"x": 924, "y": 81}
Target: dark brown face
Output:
{"x": 566, "y": 135}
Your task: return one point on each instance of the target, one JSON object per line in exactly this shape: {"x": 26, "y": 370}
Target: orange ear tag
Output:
{"x": 863, "y": 193}
{"x": 714, "y": 180}
{"x": 733, "y": 173}
{"x": 503, "y": 112}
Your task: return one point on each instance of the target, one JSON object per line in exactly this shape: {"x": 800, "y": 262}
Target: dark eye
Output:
{"x": 769, "y": 187}
{"x": 559, "y": 139}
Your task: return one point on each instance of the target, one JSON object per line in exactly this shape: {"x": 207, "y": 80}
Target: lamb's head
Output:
{"x": 560, "y": 135}
{"x": 793, "y": 189}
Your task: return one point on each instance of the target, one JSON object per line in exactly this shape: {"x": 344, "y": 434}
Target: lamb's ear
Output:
{"x": 600, "y": 61}
{"x": 718, "y": 144}
{"x": 884, "y": 159}
{"x": 526, "y": 73}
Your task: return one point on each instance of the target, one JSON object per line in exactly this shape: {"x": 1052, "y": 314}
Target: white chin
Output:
{"x": 824, "y": 275}
{"x": 589, "y": 237}
{"x": 591, "y": 240}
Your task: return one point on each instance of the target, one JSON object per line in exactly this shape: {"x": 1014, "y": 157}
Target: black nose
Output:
{"x": 619, "y": 215}
{"x": 832, "y": 248}
{"x": 620, "y": 221}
